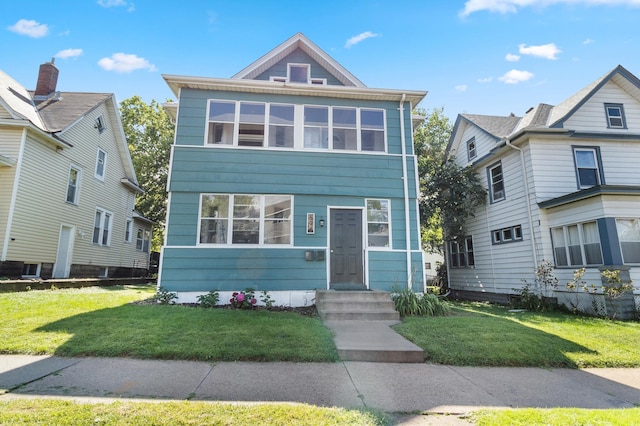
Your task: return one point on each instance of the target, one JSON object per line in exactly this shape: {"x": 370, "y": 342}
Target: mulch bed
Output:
{"x": 309, "y": 311}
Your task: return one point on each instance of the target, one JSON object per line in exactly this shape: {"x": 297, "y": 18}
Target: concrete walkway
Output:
{"x": 389, "y": 387}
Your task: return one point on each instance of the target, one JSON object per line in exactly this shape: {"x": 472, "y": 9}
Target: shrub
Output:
{"x": 267, "y": 299}
{"x": 243, "y": 299}
{"x": 165, "y": 297}
{"x": 409, "y": 303}
{"x": 209, "y": 300}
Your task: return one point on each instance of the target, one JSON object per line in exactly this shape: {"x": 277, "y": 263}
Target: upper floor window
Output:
{"x": 128, "y": 229}
{"x": 99, "y": 124}
{"x": 102, "y": 227}
{"x": 298, "y": 73}
{"x": 245, "y": 219}
{"x": 258, "y": 124}
{"x": 73, "y": 185}
{"x": 577, "y": 245}
{"x": 587, "y": 162}
{"x": 471, "y": 148}
{"x": 101, "y": 164}
{"x": 378, "y": 223}
{"x": 496, "y": 183}
{"x": 461, "y": 253}
{"x": 615, "y": 116}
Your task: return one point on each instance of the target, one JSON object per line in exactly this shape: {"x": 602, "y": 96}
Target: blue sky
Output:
{"x": 478, "y": 56}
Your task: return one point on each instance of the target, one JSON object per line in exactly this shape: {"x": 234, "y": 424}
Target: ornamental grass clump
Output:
{"x": 409, "y": 303}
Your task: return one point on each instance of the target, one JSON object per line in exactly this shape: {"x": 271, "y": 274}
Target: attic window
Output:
{"x": 615, "y": 116}
{"x": 299, "y": 73}
{"x": 99, "y": 124}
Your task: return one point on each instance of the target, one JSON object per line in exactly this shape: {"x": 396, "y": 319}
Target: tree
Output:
{"x": 449, "y": 193}
{"x": 149, "y": 133}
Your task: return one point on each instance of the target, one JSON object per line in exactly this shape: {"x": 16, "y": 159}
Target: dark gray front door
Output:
{"x": 345, "y": 248}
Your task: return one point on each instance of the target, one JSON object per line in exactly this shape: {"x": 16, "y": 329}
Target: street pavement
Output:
{"x": 389, "y": 387}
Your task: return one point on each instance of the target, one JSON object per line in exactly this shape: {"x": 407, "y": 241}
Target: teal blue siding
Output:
{"x": 389, "y": 268}
{"x": 204, "y": 269}
{"x": 298, "y": 57}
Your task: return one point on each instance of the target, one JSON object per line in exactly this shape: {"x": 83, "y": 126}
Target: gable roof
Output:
{"x": 17, "y": 101}
{"x": 61, "y": 111}
{"x": 619, "y": 75}
{"x": 496, "y": 126}
{"x": 299, "y": 41}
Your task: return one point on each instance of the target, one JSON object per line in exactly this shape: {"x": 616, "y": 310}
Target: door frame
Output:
{"x": 69, "y": 251}
{"x": 365, "y": 254}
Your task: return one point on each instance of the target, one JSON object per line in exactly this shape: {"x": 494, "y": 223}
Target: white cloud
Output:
{"x": 547, "y": 51}
{"x": 30, "y": 28}
{"x": 117, "y": 3}
{"x": 512, "y": 58}
{"x": 125, "y": 63}
{"x": 512, "y": 6}
{"x": 360, "y": 37}
{"x": 588, "y": 41}
{"x": 516, "y": 76}
{"x": 68, "y": 53}
{"x": 461, "y": 88}
{"x": 485, "y": 80}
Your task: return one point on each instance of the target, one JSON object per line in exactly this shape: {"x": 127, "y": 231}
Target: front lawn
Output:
{"x": 97, "y": 321}
{"x": 478, "y": 334}
{"x": 46, "y": 412}
{"x": 556, "y": 416}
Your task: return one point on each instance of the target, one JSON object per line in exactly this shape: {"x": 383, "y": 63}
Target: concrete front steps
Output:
{"x": 360, "y": 321}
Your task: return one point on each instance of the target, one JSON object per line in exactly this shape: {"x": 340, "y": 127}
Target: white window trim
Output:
{"x": 498, "y": 235}
{"x": 620, "y": 107}
{"x": 103, "y": 215}
{"x": 229, "y": 235}
{"x": 78, "y": 181}
{"x": 596, "y": 160}
{"x": 495, "y": 199}
{"x": 298, "y": 128}
{"x": 128, "y": 238}
{"x": 565, "y": 236}
{"x": 38, "y": 269}
{"x": 470, "y": 155}
{"x": 104, "y": 165}
{"x": 99, "y": 124}
{"x": 366, "y": 220}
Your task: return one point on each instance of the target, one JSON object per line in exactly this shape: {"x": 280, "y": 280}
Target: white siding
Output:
{"x": 484, "y": 144}
{"x": 591, "y": 115}
{"x": 9, "y": 147}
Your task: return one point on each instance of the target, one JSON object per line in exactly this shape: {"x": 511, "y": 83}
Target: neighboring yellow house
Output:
{"x": 67, "y": 185}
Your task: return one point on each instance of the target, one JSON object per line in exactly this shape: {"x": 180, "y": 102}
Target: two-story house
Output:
{"x": 67, "y": 185}
{"x": 288, "y": 177}
{"x": 563, "y": 185}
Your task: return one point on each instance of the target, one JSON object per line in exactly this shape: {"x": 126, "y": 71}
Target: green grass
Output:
{"x": 47, "y": 412}
{"x": 477, "y": 334}
{"x": 557, "y": 416}
{"x": 102, "y": 322}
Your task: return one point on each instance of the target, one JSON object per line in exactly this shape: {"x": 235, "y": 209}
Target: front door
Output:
{"x": 65, "y": 249}
{"x": 345, "y": 249}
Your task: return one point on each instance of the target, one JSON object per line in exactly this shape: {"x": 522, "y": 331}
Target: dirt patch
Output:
{"x": 309, "y": 311}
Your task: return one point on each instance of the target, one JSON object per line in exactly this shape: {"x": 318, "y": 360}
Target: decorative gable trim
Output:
{"x": 299, "y": 41}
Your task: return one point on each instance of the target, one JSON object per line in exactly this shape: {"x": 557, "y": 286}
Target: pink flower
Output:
{"x": 240, "y": 297}
{"x": 254, "y": 301}
{"x": 231, "y": 300}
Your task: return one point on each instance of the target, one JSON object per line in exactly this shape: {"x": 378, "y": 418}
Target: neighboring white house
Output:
{"x": 563, "y": 186}
{"x": 67, "y": 185}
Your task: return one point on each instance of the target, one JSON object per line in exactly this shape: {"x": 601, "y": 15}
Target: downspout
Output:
{"x": 526, "y": 191}
{"x": 405, "y": 181}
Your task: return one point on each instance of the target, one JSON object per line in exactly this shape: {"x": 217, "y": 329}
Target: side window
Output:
{"x": 588, "y": 171}
{"x": 316, "y": 127}
{"x": 99, "y": 124}
{"x": 577, "y": 244}
{"x": 461, "y": 253}
{"x": 378, "y": 220}
{"x": 281, "y": 126}
{"x": 615, "y": 116}
{"x": 222, "y": 116}
{"x": 471, "y": 149}
{"x": 102, "y": 227}
{"x": 372, "y": 130}
{"x": 128, "y": 230}
{"x": 101, "y": 164}
{"x": 496, "y": 183}
{"x": 73, "y": 185}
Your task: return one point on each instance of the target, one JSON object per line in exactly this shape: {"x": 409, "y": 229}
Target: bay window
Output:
{"x": 577, "y": 244}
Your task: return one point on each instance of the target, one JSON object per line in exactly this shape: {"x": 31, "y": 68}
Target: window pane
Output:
{"x": 316, "y": 116}
{"x": 588, "y": 177}
{"x": 105, "y": 229}
{"x": 251, "y": 112}
{"x": 557, "y": 237}
{"x": 629, "y": 236}
{"x": 586, "y": 158}
{"x": 378, "y": 211}
{"x": 281, "y": 114}
{"x": 372, "y": 119}
{"x": 213, "y": 231}
{"x": 277, "y": 207}
{"x": 215, "y": 206}
{"x": 277, "y": 232}
{"x": 299, "y": 73}
{"x": 224, "y": 111}
{"x": 281, "y": 136}
{"x": 372, "y": 140}
{"x": 316, "y": 137}
{"x": 246, "y": 207}
{"x": 221, "y": 133}
{"x": 344, "y": 117}
{"x": 246, "y": 231}
{"x": 378, "y": 234}
{"x": 345, "y": 139}
{"x": 630, "y": 252}
{"x": 97, "y": 223}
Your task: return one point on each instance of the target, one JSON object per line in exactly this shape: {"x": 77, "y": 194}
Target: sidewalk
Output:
{"x": 385, "y": 386}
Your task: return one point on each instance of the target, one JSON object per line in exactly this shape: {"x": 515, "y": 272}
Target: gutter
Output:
{"x": 405, "y": 184}
{"x": 528, "y": 200}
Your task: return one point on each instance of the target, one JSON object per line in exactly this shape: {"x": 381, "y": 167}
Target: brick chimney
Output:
{"x": 47, "y": 79}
